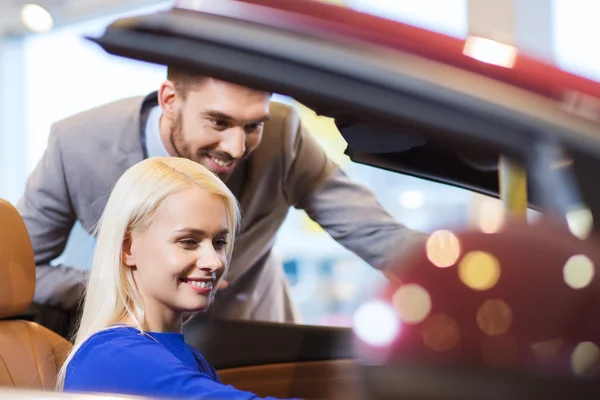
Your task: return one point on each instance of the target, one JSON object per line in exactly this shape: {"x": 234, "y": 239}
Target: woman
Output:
{"x": 163, "y": 245}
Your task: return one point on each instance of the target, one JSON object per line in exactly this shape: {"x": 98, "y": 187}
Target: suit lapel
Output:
{"x": 131, "y": 147}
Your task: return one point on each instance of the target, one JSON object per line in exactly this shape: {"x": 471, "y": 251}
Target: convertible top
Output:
{"x": 404, "y": 98}
{"x": 318, "y": 18}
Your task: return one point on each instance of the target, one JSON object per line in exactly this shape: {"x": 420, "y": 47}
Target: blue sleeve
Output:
{"x": 136, "y": 365}
{"x": 205, "y": 366}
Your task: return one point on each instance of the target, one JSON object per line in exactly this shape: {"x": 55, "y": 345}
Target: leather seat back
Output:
{"x": 30, "y": 355}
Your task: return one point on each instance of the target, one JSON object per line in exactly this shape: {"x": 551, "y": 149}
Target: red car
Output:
{"x": 444, "y": 109}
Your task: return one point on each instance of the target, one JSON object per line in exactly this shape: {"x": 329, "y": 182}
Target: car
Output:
{"x": 423, "y": 104}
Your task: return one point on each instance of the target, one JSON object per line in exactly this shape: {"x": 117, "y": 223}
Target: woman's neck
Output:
{"x": 161, "y": 325}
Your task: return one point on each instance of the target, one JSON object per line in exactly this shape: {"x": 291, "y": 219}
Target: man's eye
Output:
{"x": 253, "y": 127}
{"x": 219, "y": 123}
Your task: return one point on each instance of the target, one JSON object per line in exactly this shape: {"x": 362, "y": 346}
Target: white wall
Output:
{"x": 66, "y": 74}
{"x": 576, "y": 34}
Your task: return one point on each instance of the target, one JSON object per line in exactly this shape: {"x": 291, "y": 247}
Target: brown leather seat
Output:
{"x": 30, "y": 355}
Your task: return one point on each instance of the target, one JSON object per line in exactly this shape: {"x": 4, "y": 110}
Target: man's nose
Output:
{"x": 234, "y": 143}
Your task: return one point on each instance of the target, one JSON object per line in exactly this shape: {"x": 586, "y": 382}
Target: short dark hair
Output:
{"x": 184, "y": 80}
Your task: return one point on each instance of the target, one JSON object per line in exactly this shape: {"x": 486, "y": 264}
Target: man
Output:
{"x": 258, "y": 147}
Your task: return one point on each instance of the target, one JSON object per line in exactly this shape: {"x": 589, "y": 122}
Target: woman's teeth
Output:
{"x": 201, "y": 284}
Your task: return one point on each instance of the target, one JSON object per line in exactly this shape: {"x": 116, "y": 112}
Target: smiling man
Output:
{"x": 258, "y": 147}
{"x": 215, "y": 123}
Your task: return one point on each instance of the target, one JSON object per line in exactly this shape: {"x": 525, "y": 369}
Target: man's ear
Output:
{"x": 127, "y": 253}
{"x": 167, "y": 98}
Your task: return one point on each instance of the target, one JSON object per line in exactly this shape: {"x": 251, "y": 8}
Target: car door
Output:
{"x": 428, "y": 118}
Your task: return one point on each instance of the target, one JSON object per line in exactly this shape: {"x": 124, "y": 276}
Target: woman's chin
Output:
{"x": 196, "y": 309}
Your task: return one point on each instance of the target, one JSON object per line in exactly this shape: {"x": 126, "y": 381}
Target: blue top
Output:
{"x": 120, "y": 360}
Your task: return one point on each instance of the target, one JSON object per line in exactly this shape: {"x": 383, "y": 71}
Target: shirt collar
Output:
{"x": 154, "y": 144}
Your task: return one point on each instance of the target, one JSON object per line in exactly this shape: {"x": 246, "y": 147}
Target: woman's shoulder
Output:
{"x": 117, "y": 333}
{"x": 113, "y": 339}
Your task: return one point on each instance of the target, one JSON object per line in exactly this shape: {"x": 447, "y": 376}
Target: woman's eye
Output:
{"x": 220, "y": 243}
{"x": 188, "y": 242}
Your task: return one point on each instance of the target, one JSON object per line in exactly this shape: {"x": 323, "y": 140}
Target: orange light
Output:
{"x": 412, "y": 303}
{"x": 494, "y": 317}
{"x": 491, "y": 52}
{"x": 440, "y": 333}
{"x": 479, "y": 270}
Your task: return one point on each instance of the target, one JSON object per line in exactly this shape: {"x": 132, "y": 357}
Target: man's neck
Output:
{"x": 165, "y": 135}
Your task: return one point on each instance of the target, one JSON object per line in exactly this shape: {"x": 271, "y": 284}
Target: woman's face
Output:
{"x": 178, "y": 259}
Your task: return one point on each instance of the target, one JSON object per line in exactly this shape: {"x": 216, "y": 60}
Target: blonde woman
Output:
{"x": 164, "y": 242}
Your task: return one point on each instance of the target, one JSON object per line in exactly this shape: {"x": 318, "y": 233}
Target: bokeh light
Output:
{"x": 440, "y": 332}
{"x": 443, "y": 248}
{"x": 584, "y": 357}
{"x": 479, "y": 270}
{"x": 578, "y": 271}
{"x": 547, "y": 349}
{"x": 494, "y": 317}
{"x": 412, "y": 302}
{"x": 580, "y": 221}
{"x": 376, "y": 323}
{"x": 491, "y": 216}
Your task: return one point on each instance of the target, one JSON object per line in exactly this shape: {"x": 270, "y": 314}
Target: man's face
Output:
{"x": 218, "y": 124}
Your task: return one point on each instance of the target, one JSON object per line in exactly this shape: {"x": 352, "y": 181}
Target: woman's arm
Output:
{"x": 137, "y": 365}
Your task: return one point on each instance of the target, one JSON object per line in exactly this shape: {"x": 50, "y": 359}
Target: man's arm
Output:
{"x": 48, "y": 213}
{"x": 349, "y": 212}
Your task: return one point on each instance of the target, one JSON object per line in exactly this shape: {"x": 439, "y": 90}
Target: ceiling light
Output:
{"x": 412, "y": 199}
{"x": 490, "y": 51}
{"x": 36, "y": 18}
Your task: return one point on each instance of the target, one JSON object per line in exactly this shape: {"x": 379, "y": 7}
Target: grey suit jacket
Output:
{"x": 88, "y": 152}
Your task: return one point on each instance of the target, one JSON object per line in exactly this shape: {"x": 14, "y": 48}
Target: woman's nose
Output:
{"x": 208, "y": 260}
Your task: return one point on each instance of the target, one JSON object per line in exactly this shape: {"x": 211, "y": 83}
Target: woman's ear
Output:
{"x": 127, "y": 253}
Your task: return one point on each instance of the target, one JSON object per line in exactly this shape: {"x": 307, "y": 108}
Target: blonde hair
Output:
{"x": 111, "y": 295}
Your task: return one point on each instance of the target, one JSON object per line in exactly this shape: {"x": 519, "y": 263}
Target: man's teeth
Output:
{"x": 201, "y": 284}
{"x": 222, "y": 163}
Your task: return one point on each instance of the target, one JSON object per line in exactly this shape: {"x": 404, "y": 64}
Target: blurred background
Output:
{"x": 48, "y": 71}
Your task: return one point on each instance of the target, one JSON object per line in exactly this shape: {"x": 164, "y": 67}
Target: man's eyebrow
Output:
{"x": 263, "y": 119}
{"x": 224, "y": 117}
{"x": 218, "y": 115}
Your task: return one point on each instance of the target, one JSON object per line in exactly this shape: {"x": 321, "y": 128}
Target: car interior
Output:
{"x": 30, "y": 354}
{"x": 285, "y": 360}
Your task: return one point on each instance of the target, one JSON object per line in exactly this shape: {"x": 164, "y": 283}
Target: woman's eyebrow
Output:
{"x": 200, "y": 232}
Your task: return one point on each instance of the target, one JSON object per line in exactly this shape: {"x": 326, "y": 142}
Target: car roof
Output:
{"x": 390, "y": 88}
{"x": 310, "y": 16}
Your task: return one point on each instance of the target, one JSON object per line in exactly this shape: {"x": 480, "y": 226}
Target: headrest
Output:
{"x": 527, "y": 297}
{"x": 17, "y": 263}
